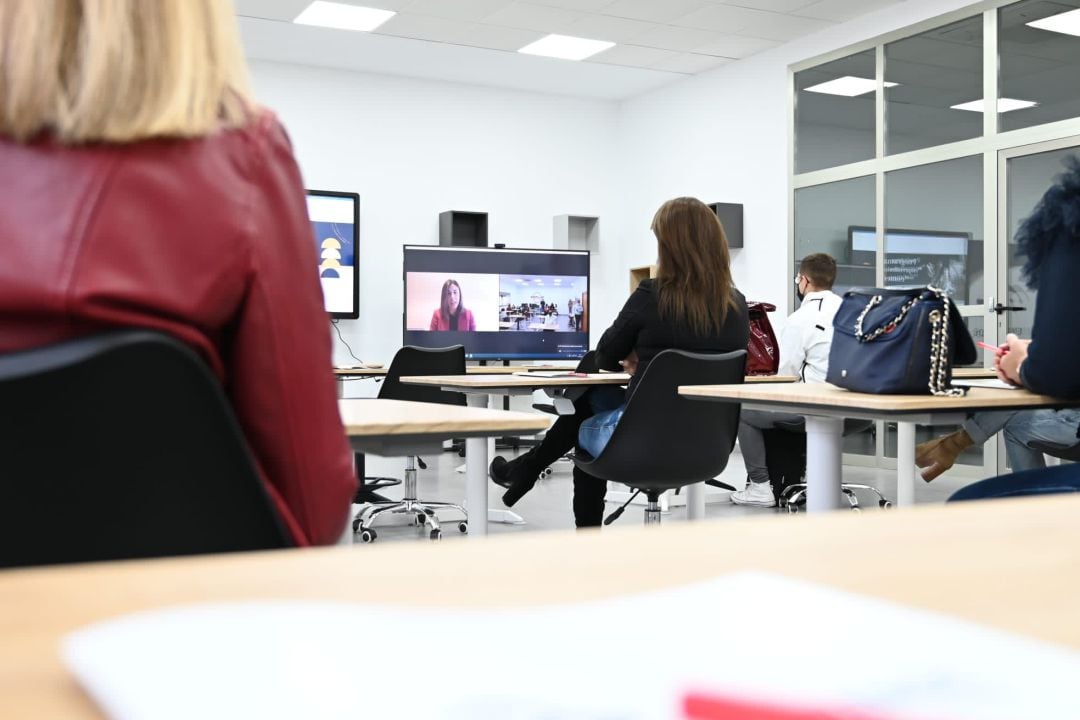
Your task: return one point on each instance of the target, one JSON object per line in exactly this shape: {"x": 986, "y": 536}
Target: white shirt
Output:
{"x": 807, "y": 337}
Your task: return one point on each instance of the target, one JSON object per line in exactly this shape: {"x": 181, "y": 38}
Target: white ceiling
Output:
{"x": 475, "y": 41}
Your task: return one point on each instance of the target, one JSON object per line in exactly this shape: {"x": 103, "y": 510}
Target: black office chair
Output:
{"x": 1065, "y": 452}
{"x": 123, "y": 445}
{"x": 416, "y": 361}
{"x": 785, "y": 453}
{"x": 665, "y": 441}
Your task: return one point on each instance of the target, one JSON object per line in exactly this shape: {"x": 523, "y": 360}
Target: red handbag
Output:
{"x": 763, "y": 352}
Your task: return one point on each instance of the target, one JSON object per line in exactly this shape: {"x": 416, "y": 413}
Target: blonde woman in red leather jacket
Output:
{"x": 141, "y": 187}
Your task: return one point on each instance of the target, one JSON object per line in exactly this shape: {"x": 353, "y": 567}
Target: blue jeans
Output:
{"x": 608, "y": 404}
{"x": 1043, "y": 481}
{"x": 1020, "y": 428}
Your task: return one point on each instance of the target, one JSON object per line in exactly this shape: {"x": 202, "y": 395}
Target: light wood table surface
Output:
{"x": 1013, "y": 564}
{"x": 972, "y": 373}
{"x": 395, "y": 428}
{"x": 825, "y": 406}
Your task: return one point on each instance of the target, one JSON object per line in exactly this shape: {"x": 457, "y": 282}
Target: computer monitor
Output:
{"x": 501, "y": 304}
{"x": 915, "y": 257}
{"x": 335, "y": 221}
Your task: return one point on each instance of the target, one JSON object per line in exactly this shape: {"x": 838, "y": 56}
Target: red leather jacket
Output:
{"x": 209, "y": 241}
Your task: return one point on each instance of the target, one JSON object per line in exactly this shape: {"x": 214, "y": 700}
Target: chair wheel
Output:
{"x": 368, "y": 536}
{"x": 420, "y": 519}
{"x": 463, "y": 527}
{"x": 547, "y": 472}
{"x": 856, "y": 509}
{"x": 792, "y": 508}
{"x": 436, "y": 535}
{"x": 883, "y": 504}
{"x": 356, "y": 526}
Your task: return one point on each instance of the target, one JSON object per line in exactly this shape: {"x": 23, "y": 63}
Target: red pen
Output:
{"x": 991, "y": 348}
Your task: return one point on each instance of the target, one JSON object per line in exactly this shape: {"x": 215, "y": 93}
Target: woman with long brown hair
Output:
{"x": 143, "y": 187}
{"x": 692, "y": 305}
{"x": 452, "y": 313}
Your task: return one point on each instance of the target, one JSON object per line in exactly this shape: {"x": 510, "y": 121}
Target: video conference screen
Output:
{"x": 501, "y": 304}
{"x": 918, "y": 257}
{"x": 335, "y": 221}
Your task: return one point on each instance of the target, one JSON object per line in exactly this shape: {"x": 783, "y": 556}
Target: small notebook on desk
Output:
{"x": 550, "y": 373}
{"x": 992, "y": 383}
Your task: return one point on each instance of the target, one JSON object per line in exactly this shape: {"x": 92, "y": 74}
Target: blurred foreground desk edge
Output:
{"x": 1011, "y": 564}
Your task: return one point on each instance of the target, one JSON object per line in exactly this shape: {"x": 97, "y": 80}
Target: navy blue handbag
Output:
{"x": 898, "y": 341}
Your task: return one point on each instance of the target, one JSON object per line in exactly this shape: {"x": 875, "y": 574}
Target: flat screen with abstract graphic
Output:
{"x": 335, "y": 222}
{"x": 501, "y": 304}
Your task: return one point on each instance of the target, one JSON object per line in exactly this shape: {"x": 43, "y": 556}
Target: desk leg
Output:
{"x": 695, "y": 501}
{"x": 823, "y": 463}
{"x": 476, "y": 480}
{"x": 905, "y": 464}
{"x": 499, "y": 515}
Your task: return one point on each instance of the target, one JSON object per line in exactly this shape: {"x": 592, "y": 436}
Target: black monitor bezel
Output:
{"x": 493, "y": 357}
{"x": 355, "y": 197}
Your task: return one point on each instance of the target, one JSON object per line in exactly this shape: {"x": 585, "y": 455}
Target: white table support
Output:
{"x": 905, "y": 464}
{"x": 695, "y": 501}
{"x": 823, "y": 437}
{"x": 478, "y": 454}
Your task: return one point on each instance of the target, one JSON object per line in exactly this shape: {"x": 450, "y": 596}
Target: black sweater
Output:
{"x": 639, "y": 328}
{"x": 1050, "y": 239}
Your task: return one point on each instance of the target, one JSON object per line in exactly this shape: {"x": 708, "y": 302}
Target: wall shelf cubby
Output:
{"x": 731, "y": 217}
{"x": 576, "y": 232}
{"x": 463, "y": 229}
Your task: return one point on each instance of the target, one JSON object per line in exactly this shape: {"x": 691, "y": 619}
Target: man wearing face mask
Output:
{"x": 804, "y": 353}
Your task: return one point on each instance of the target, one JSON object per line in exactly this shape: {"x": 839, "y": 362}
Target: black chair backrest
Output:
{"x": 665, "y": 440}
{"x": 123, "y": 445}
{"x": 410, "y": 361}
{"x": 1065, "y": 452}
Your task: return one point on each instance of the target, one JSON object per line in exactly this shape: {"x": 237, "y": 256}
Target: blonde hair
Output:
{"x": 119, "y": 71}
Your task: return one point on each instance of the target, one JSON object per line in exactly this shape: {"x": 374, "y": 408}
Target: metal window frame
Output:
{"x": 995, "y": 147}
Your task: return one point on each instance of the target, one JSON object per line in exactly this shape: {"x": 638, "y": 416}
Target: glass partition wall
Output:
{"x": 916, "y": 155}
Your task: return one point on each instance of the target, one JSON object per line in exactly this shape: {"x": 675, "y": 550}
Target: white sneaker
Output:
{"x": 759, "y": 494}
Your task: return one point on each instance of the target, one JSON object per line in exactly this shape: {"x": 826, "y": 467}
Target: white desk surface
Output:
{"x": 833, "y": 400}
{"x": 469, "y": 370}
{"x": 1011, "y": 564}
{"x": 374, "y": 417}
{"x": 483, "y": 382}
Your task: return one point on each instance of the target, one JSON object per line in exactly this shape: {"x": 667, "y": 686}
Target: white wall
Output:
{"x": 722, "y": 136}
{"x": 414, "y": 148}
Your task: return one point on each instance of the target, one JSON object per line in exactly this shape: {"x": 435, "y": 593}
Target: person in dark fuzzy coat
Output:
{"x": 1048, "y": 363}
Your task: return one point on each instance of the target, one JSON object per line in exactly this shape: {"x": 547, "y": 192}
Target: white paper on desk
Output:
{"x": 626, "y": 659}
{"x": 992, "y": 383}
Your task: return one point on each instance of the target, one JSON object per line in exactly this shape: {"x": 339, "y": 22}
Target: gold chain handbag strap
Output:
{"x": 939, "y": 349}
{"x": 888, "y": 327}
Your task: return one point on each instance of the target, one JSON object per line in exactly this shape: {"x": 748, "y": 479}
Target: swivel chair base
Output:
{"x": 794, "y": 496}
{"x": 423, "y": 512}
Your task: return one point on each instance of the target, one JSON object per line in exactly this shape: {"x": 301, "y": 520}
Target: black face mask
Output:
{"x": 799, "y": 293}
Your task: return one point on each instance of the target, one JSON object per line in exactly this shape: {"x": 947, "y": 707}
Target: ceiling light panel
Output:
{"x": 566, "y": 47}
{"x": 1067, "y": 23}
{"x": 848, "y": 86}
{"x": 1004, "y": 105}
{"x": 343, "y": 17}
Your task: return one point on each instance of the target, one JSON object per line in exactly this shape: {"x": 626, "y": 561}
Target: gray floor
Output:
{"x": 547, "y": 506}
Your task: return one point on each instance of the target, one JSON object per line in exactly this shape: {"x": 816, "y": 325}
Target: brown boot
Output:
{"x": 940, "y": 454}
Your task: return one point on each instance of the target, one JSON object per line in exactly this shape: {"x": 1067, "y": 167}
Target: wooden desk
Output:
{"x": 1009, "y": 564}
{"x": 825, "y": 406}
{"x": 397, "y": 428}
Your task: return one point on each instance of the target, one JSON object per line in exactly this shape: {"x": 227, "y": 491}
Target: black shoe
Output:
{"x": 518, "y": 477}
{"x": 499, "y": 472}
